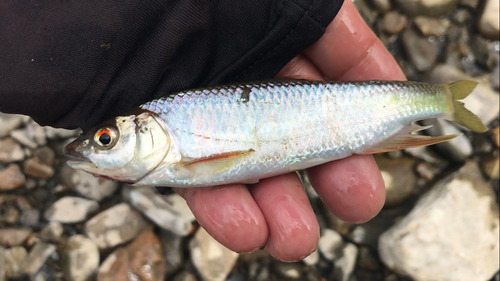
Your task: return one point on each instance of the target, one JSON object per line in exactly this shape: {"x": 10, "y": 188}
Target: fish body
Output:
{"x": 241, "y": 133}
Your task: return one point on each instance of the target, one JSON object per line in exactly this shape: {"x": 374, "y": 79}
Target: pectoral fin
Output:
{"x": 406, "y": 139}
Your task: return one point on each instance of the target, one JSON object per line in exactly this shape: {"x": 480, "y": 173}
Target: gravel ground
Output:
{"x": 440, "y": 222}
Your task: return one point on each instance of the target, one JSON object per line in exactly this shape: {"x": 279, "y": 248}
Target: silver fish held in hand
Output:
{"x": 241, "y": 133}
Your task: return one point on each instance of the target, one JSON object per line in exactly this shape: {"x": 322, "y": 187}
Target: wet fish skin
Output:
{"x": 241, "y": 133}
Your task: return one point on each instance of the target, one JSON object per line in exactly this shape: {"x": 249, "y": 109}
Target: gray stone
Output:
{"x": 461, "y": 16}
{"x": 457, "y": 149}
{"x": 35, "y": 168}
{"x": 495, "y": 78}
{"x": 30, "y": 218}
{"x": 292, "y": 271}
{"x": 57, "y": 133}
{"x": 470, "y": 3}
{"x": 52, "y": 231}
{"x": 431, "y": 27}
{"x": 153, "y": 206}
{"x": 421, "y": 52}
{"x": 36, "y": 133}
{"x": 2, "y": 264}
{"x": 173, "y": 252}
{"x": 212, "y": 260}
{"x": 22, "y": 136}
{"x": 86, "y": 184}
{"x": 11, "y": 178}
{"x": 368, "y": 14}
{"x": 14, "y": 259}
{"x": 483, "y": 101}
{"x": 71, "y": 209}
{"x": 488, "y": 23}
{"x": 10, "y": 151}
{"x": 451, "y": 234}
{"x": 394, "y": 22}
{"x": 399, "y": 178}
{"x": 115, "y": 226}
{"x": 382, "y": 5}
{"x": 46, "y": 155}
{"x": 10, "y": 237}
{"x": 8, "y": 214}
{"x": 37, "y": 257}
{"x": 432, "y": 8}
{"x": 367, "y": 260}
{"x": 9, "y": 122}
{"x": 329, "y": 244}
{"x": 344, "y": 264}
{"x": 80, "y": 258}
{"x": 184, "y": 276}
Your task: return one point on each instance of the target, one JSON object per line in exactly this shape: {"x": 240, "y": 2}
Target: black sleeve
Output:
{"x": 75, "y": 63}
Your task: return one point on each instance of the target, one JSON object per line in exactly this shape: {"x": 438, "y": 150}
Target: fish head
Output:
{"x": 126, "y": 148}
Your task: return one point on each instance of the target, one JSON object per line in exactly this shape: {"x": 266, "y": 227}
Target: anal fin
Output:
{"x": 406, "y": 139}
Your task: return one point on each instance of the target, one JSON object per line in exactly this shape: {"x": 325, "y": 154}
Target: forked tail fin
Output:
{"x": 461, "y": 115}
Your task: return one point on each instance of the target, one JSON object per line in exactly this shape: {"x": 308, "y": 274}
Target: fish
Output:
{"x": 241, "y": 133}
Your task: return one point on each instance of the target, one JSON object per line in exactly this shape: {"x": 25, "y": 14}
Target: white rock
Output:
{"x": 399, "y": 178}
{"x": 115, "y": 226}
{"x": 9, "y": 122}
{"x": 212, "y": 260}
{"x": 57, "y": 133}
{"x": 312, "y": 259}
{"x": 344, "y": 265}
{"x": 80, "y": 258}
{"x": 489, "y": 22}
{"x": 451, "y": 234}
{"x": 52, "y": 231}
{"x": 22, "y": 136}
{"x": 86, "y": 184}
{"x": 153, "y": 206}
{"x": 2, "y": 264}
{"x": 14, "y": 259}
{"x": 427, "y": 7}
{"x": 329, "y": 242}
{"x": 37, "y": 257}
{"x": 10, "y": 151}
{"x": 71, "y": 209}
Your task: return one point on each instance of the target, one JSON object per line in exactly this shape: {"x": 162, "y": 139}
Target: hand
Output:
{"x": 275, "y": 213}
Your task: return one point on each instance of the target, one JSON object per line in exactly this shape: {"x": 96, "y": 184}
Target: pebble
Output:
{"x": 368, "y": 14}
{"x": 495, "y": 78}
{"x": 430, "y": 26}
{"x": 344, "y": 264}
{"x": 86, "y": 184}
{"x": 312, "y": 259}
{"x": 433, "y": 8}
{"x": 11, "y": 178}
{"x": 153, "y": 206}
{"x": 58, "y": 133}
{"x": 491, "y": 166}
{"x": 488, "y": 23}
{"x": 22, "y": 136}
{"x": 394, "y": 22}
{"x": 30, "y": 218}
{"x": 52, "y": 231}
{"x": 14, "y": 259}
{"x": 173, "y": 252}
{"x": 80, "y": 258}
{"x": 10, "y": 151}
{"x": 184, "y": 276}
{"x": 3, "y": 276}
{"x": 367, "y": 260}
{"x": 470, "y": 3}
{"x": 115, "y": 267}
{"x": 426, "y": 170}
{"x": 35, "y": 168}
{"x": 11, "y": 237}
{"x": 421, "y": 52}
{"x": 36, "y": 132}
{"x": 329, "y": 244}
{"x": 382, "y": 5}
{"x": 71, "y": 209}
{"x": 115, "y": 226}
{"x": 461, "y": 16}
{"x": 9, "y": 122}
{"x": 45, "y": 155}
{"x": 8, "y": 214}
{"x": 291, "y": 271}
{"x": 399, "y": 178}
{"x": 495, "y": 136}
{"x": 457, "y": 149}
{"x": 37, "y": 257}
{"x": 451, "y": 234}
{"x": 211, "y": 259}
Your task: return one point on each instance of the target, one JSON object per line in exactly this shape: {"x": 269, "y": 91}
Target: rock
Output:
{"x": 45, "y": 155}
{"x": 115, "y": 226}
{"x": 399, "y": 178}
{"x": 461, "y": 16}
{"x": 80, "y": 258}
{"x": 382, "y": 5}
{"x": 431, "y": 26}
{"x": 47, "y": 273}
{"x": 86, "y": 184}
{"x": 35, "y": 168}
{"x": 153, "y": 206}
{"x": 495, "y": 78}
{"x": 2, "y": 264}
{"x": 184, "y": 276}
{"x": 9, "y": 122}
{"x": 312, "y": 259}
{"x": 8, "y": 214}
{"x": 488, "y": 23}
{"x": 71, "y": 209}
{"x": 21, "y": 135}
{"x": 212, "y": 260}
{"x": 288, "y": 271}
{"x": 457, "y": 149}
{"x": 451, "y": 234}
{"x": 421, "y": 52}
{"x": 433, "y": 8}
{"x": 495, "y": 136}
{"x": 36, "y": 133}
{"x": 470, "y": 3}
{"x": 483, "y": 101}
{"x": 394, "y": 22}
{"x": 180, "y": 205}
{"x": 11, "y": 178}
{"x": 367, "y": 260}
{"x": 30, "y": 218}
{"x": 344, "y": 265}
{"x": 329, "y": 243}
{"x": 173, "y": 252}
{"x": 368, "y": 14}
{"x": 10, "y": 151}
{"x": 141, "y": 260}
{"x": 14, "y": 259}
{"x": 11, "y": 237}
{"x": 491, "y": 166}
{"x": 57, "y": 133}
{"x": 426, "y": 170}
{"x": 52, "y": 231}
{"x": 37, "y": 257}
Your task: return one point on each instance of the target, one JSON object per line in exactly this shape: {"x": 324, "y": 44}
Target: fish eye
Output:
{"x": 105, "y": 137}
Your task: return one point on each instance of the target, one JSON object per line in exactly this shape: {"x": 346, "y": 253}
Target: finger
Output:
{"x": 229, "y": 214}
{"x": 351, "y": 188}
{"x": 300, "y": 67}
{"x": 350, "y": 51}
{"x": 293, "y": 228}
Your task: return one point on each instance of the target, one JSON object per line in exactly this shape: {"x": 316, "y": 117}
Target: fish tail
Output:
{"x": 461, "y": 115}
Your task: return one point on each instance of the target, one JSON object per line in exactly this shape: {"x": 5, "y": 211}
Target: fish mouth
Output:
{"x": 76, "y": 159}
